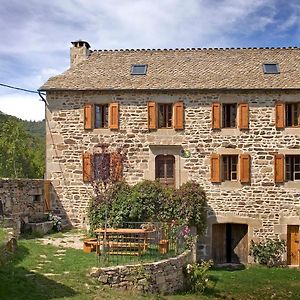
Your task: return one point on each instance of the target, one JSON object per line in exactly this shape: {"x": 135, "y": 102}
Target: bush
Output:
{"x": 268, "y": 253}
{"x": 114, "y": 202}
{"x": 197, "y": 276}
{"x": 191, "y": 201}
{"x": 149, "y": 201}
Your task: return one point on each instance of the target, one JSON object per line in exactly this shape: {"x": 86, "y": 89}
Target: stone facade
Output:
{"x": 165, "y": 276}
{"x": 265, "y": 207}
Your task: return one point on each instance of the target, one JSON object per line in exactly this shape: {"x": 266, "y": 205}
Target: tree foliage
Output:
{"x": 22, "y": 155}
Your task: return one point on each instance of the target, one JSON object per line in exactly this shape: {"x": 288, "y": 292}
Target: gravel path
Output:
{"x": 69, "y": 240}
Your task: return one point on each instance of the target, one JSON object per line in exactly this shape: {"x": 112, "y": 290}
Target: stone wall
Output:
{"x": 267, "y": 208}
{"x": 22, "y": 201}
{"x": 165, "y": 276}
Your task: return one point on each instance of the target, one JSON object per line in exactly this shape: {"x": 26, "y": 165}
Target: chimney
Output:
{"x": 79, "y": 52}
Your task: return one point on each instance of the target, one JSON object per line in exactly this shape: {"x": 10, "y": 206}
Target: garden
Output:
{"x": 38, "y": 271}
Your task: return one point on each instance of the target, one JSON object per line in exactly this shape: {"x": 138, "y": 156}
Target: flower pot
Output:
{"x": 163, "y": 246}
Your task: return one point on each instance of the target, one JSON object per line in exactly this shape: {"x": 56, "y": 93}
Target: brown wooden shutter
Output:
{"x": 244, "y": 168}
{"x": 178, "y": 115}
{"x": 114, "y": 115}
{"x": 279, "y": 115}
{"x": 216, "y": 116}
{"x": 88, "y": 116}
{"x": 244, "y": 116}
{"x": 152, "y": 112}
{"x": 279, "y": 168}
{"x": 215, "y": 168}
{"x": 87, "y": 166}
{"x": 47, "y": 195}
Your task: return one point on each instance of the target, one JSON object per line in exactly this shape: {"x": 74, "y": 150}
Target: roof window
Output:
{"x": 271, "y": 68}
{"x": 139, "y": 69}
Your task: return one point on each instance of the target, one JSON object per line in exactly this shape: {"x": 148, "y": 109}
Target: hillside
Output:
{"x": 22, "y": 147}
{"x": 36, "y": 128}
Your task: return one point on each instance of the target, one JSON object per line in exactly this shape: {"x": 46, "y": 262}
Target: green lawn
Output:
{"x": 62, "y": 275}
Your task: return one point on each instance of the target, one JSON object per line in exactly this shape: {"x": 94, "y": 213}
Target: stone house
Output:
{"x": 227, "y": 118}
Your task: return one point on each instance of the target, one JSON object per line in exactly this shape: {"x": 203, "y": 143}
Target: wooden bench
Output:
{"x": 126, "y": 248}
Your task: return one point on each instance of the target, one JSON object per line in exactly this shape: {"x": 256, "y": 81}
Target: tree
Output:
{"x": 21, "y": 154}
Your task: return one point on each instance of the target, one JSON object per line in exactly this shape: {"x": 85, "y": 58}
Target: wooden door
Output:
{"x": 293, "y": 244}
{"x": 239, "y": 243}
{"x": 165, "y": 169}
{"x": 219, "y": 243}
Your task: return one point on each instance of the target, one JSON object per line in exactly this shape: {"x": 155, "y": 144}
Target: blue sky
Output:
{"x": 36, "y": 34}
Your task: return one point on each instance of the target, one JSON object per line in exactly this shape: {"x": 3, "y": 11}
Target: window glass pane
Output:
{"x": 271, "y": 68}
{"x": 138, "y": 69}
{"x": 297, "y": 175}
{"x": 161, "y": 115}
{"x": 288, "y": 115}
{"x": 105, "y": 116}
{"x": 288, "y": 168}
{"x": 225, "y": 168}
{"x": 295, "y": 115}
{"x": 232, "y": 115}
{"x": 169, "y": 115}
{"x": 170, "y": 168}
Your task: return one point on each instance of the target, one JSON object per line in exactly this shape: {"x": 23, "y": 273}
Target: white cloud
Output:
{"x": 23, "y": 106}
{"x": 37, "y": 34}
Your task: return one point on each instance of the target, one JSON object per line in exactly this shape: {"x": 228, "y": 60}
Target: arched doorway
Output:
{"x": 165, "y": 169}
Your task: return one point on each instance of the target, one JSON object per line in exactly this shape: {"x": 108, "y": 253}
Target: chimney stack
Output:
{"x": 79, "y": 52}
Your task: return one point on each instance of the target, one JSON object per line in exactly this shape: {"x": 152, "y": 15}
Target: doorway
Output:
{"x": 293, "y": 245}
{"x": 230, "y": 243}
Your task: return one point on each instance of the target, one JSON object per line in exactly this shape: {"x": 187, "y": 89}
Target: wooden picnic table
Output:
{"x": 130, "y": 240}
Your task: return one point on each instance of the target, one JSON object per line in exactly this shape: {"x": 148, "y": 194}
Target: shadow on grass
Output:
{"x": 19, "y": 283}
{"x": 211, "y": 290}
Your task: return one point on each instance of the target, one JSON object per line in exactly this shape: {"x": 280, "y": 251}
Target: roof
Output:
{"x": 217, "y": 68}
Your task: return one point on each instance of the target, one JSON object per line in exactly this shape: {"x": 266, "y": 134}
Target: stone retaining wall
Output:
{"x": 164, "y": 276}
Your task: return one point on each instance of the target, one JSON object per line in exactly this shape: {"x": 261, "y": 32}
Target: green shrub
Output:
{"x": 197, "y": 276}
{"x": 268, "y": 253}
{"x": 190, "y": 200}
{"x": 114, "y": 202}
{"x": 149, "y": 201}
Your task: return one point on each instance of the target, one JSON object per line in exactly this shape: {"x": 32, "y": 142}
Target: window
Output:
{"x": 230, "y": 167}
{"x": 227, "y": 167}
{"x": 101, "y": 116}
{"x": 139, "y": 69}
{"x": 271, "y": 68}
{"x": 292, "y": 167}
{"x": 229, "y": 115}
{"x": 165, "y": 115}
{"x": 165, "y": 169}
{"x": 101, "y": 166}
{"x": 292, "y": 114}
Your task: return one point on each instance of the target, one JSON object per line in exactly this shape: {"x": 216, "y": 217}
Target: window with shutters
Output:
{"x": 229, "y": 112}
{"x": 292, "y": 167}
{"x": 292, "y": 114}
{"x": 165, "y": 169}
{"x": 101, "y": 116}
{"x": 165, "y": 115}
{"x": 229, "y": 167}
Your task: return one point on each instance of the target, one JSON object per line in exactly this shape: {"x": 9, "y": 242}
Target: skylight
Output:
{"x": 139, "y": 69}
{"x": 271, "y": 68}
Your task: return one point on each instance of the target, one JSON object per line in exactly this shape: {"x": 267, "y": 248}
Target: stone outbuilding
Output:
{"x": 227, "y": 118}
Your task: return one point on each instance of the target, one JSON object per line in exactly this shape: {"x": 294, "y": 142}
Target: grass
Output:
{"x": 65, "y": 277}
